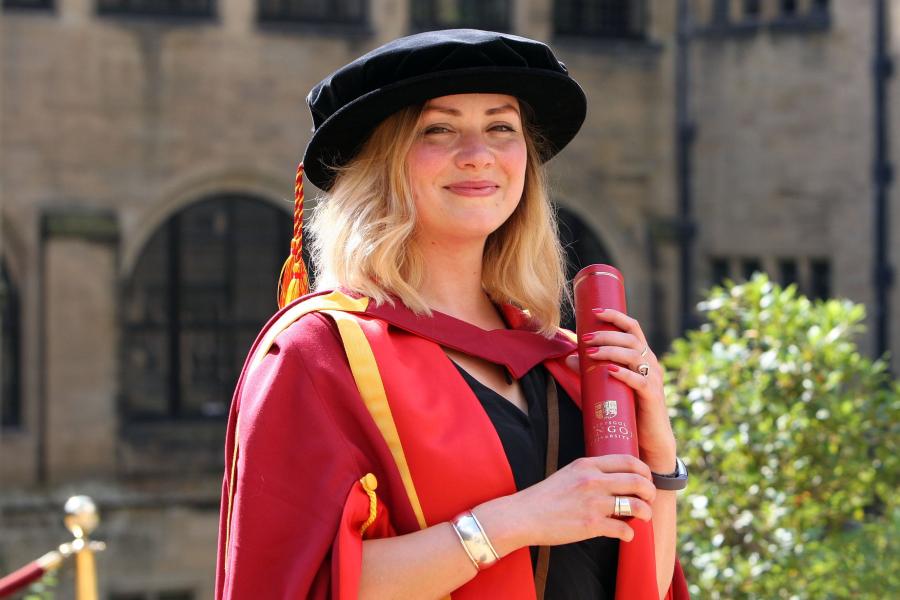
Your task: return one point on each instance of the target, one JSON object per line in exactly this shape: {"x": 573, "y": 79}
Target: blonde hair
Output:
{"x": 362, "y": 231}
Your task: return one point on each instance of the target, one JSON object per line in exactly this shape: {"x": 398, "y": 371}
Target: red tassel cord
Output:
{"x": 294, "y": 281}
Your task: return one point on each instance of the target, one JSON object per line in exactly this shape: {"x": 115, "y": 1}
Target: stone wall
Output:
{"x": 109, "y": 125}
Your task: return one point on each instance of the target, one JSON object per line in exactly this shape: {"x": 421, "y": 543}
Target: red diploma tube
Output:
{"x": 610, "y": 426}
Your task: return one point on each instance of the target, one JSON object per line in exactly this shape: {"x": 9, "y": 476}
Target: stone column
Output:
{"x": 80, "y": 338}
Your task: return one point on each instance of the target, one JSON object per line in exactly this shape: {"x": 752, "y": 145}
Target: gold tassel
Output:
{"x": 370, "y": 484}
{"x": 293, "y": 282}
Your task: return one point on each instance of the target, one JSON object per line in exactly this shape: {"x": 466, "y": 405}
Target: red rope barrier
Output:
{"x": 20, "y": 578}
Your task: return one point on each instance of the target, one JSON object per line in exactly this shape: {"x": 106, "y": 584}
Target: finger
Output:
{"x": 613, "y": 338}
{"x": 639, "y": 383}
{"x": 615, "y": 528}
{"x": 621, "y": 463}
{"x": 572, "y": 362}
{"x": 625, "y": 356}
{"x": 622, "y": 321}
{"x": 639, "y": 508}
{"x": 629, "y": 484}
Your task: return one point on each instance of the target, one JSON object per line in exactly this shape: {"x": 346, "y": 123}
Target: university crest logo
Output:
{"x": 606, "y": 409}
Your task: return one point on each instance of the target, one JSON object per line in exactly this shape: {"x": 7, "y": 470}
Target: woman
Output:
{"x": 391, "y": 436}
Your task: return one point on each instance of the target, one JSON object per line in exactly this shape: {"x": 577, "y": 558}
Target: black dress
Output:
{"x": 582, "y": 570}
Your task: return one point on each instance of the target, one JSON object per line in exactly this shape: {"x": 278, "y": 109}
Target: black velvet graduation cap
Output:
{"x": 347, "y": 105}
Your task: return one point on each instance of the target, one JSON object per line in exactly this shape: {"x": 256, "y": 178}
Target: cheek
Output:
{"x": 514, "y": 162}
{"x": 423, "y": 166}
{"x": 424, "y": 163}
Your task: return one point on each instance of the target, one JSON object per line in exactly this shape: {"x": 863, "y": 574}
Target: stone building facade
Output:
{"x": 147, "y": 154}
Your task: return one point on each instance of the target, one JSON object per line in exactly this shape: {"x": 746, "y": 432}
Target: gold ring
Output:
{"x": 622, "y": 507}
{"x": 643, "y": 369}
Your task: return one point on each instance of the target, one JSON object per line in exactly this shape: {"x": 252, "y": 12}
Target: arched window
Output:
{"x": 582, "y": 248}
{"x": 199, "y": 293}
{"x": 10, "y": 400}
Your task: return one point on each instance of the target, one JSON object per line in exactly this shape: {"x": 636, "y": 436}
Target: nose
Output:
{"x": 473, "y": 152}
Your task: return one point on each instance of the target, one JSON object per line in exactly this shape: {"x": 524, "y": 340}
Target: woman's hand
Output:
{"x": 628, "y": 349}
{"x": 573, "y": 504}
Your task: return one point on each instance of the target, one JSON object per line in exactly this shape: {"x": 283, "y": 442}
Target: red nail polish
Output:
{"x": 587, "y": 337}
{"x": 599, "y": 310}
{"x": 612, "y": 367}
{"x": 593, "y": 350}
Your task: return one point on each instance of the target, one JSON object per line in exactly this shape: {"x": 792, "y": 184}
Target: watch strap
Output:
{"x": 676, "y": 480}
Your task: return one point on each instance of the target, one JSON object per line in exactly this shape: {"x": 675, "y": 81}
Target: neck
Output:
{"x": 453, "y": 283}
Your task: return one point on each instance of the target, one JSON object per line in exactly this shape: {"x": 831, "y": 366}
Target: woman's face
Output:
{"x": 466, "y": 167}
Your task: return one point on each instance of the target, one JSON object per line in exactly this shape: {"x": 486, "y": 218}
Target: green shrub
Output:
{"x": 44, "y": 588}
{"x": 790, "y": 436}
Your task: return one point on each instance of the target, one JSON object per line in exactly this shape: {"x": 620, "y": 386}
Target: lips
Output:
{"x": 473, "y": 188}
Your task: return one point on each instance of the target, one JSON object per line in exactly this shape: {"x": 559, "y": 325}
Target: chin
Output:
{"x": 462, "y": 233}
{"x": 481, "y": 233}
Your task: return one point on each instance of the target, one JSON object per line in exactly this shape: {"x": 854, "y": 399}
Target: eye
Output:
{"x": 436, "y": 129}
{"x": 503, "y": 128}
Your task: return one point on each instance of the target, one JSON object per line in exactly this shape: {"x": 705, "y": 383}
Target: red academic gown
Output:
{"x": 313, "y": 467}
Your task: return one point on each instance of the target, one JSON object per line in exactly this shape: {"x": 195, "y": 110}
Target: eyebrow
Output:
{"x": 456, "y": 113}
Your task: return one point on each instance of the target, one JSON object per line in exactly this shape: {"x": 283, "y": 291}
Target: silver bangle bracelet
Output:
{"x": 474, "y": 540}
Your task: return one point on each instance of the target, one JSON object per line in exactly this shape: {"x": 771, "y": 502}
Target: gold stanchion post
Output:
{"x": 82, "y": 519}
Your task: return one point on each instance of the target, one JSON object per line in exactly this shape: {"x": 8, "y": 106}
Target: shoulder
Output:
{"x": 298, "y": 376}
{"x": 299, "y": 348}
{"x": 297, "y": 372}
{"x": 312, "y": 336}
{"x": 295, "y": 357}
{"x": 303, "y": 327}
